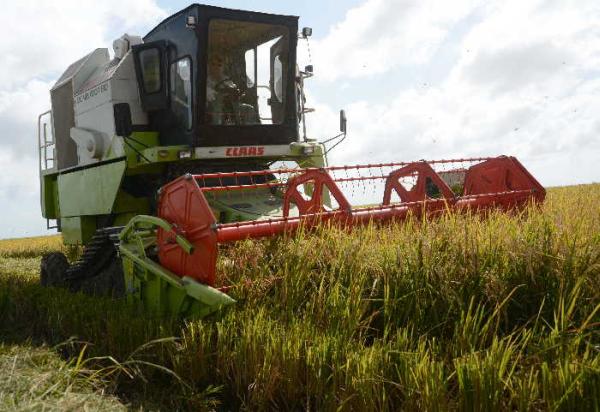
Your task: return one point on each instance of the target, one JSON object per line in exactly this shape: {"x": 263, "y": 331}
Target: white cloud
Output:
{"x": 43, "y": 38}
{"x": 19, "y": 109}
{"x": 381, "y": 35}
{"x": 19, "y": 196}
{"x": 523, "y": 81}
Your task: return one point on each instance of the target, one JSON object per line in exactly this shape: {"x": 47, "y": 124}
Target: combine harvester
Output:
{"x": 184, "y": 140}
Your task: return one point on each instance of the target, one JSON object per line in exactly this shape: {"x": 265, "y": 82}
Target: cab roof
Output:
{"x": 206, "y": 9}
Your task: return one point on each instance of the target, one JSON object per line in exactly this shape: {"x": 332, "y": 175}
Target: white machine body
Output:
{"x": 97, "y": 83}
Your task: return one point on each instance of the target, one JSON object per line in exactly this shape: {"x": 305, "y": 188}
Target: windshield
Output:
{"x": 246, "y": 73}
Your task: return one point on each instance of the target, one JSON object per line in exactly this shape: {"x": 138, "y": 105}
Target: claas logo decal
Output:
{"x": 245, "y": 151}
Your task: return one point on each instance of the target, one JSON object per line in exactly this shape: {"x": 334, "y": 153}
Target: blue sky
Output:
{"x": 418, "y": 78}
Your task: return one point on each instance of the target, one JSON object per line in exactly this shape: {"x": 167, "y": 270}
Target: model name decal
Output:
{"x": 245, "y": 151}
{"x": 92, "y": 93}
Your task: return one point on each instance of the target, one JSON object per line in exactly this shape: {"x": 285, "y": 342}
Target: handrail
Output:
{"x": 156, "y": 221}
{"x": 45, "y": 145}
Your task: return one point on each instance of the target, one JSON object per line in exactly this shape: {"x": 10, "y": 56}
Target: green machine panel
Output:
{"x": 90, "y": 191}
{"x": 77, "y": 230}
{"x": 49, "y": 196}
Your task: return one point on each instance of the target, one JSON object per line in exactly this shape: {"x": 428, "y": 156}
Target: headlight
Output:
{"x": 185, "y": 154}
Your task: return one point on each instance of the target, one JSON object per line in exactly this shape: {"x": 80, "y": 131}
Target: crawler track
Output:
{"x": 98, "y": 271}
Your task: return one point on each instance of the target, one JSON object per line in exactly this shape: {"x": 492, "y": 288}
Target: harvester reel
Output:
{"x": 497, "y": 183}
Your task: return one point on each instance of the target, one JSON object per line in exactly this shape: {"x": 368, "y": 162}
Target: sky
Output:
{"x": 419, "y": 79}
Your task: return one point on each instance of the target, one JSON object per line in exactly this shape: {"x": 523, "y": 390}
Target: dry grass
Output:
{"x": 30, "y": 247}
{"x": 35, "y": 378}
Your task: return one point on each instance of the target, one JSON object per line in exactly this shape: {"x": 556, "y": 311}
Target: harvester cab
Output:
{"x": 211, "y": 77}
{"x": 153, "y": 158}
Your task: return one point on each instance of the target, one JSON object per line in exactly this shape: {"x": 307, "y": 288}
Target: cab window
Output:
{"x": 181, "y": 91}
{"x": 246, "y": 73}
{"x": 150, "y": 65}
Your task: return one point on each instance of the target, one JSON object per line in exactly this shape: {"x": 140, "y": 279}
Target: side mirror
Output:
{"x": 306, "y": 32}
{"x": 309, "y": 69}
{"x": 122, "y": 114}
{"x": 343, "y": 121}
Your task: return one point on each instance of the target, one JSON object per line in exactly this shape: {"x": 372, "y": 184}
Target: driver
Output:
{"x": 219, "y": 91}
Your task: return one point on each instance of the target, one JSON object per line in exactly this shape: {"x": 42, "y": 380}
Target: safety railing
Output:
{"x": 46, "y": 143}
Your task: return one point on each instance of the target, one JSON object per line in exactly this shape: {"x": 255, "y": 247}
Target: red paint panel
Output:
{"x": 183, "y": 205}
{"x": 502, "y": 174}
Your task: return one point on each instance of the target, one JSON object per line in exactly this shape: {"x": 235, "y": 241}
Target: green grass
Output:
{"x": 458, "y": 313}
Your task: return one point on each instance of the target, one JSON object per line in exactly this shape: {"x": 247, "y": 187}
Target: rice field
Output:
{"x": 458, "y": 313}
